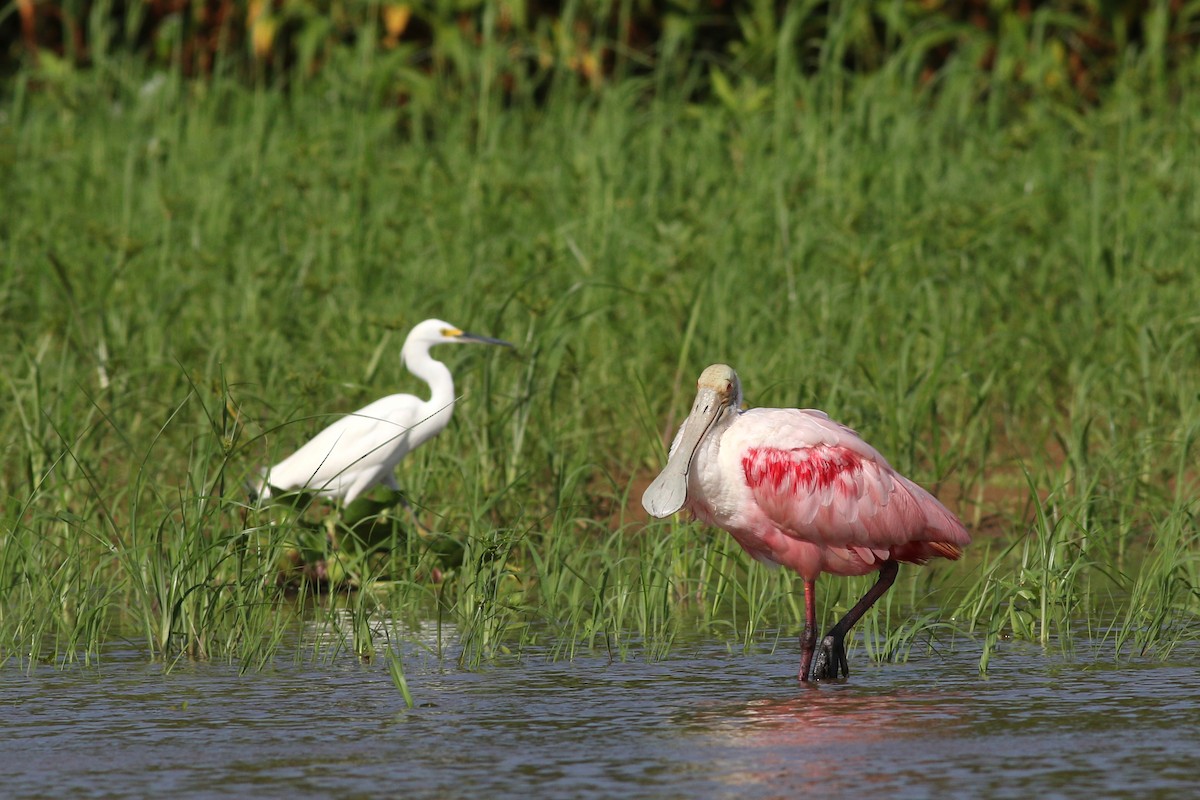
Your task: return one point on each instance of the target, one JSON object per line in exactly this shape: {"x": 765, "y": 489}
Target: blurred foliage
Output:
{"x": 1066, "y": 47}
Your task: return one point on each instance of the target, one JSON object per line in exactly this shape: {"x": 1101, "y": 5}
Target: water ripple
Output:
{"x": 703, "y": 723}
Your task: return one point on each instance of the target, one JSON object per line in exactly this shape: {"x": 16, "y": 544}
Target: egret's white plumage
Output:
{"x": 361, "y": 450}
{"x": 797, "y": 489}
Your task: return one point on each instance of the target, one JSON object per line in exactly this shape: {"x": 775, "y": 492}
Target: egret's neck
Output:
{"x": 433, "y": 372}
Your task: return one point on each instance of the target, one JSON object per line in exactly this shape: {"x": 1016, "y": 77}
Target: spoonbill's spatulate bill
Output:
{"x": 797, "y": 489}
{"x": 362, "y": 449}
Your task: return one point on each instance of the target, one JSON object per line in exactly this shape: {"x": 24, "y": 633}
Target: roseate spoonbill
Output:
{"x": 362, "y": 449}
{"x": 795, "y": 488}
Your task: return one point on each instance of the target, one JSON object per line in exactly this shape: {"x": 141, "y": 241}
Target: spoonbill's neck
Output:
{"x": 721, "y": 424}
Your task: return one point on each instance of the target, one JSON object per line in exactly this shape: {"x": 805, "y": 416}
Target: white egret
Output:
{"x": 362, "y": 449}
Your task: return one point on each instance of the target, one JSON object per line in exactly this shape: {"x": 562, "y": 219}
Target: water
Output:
{"x": 703, "y": 723}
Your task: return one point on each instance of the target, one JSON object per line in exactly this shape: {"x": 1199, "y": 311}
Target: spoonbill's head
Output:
{"x": 718, "y": 398}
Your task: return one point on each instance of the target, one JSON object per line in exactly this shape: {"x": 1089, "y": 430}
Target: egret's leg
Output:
{"x": 331, "y": 525}
{"x": 831, "y": 656}
{"x": 808, "y": 639}
{"x": 412, "y": 514}
{"x": 390, "y": 482}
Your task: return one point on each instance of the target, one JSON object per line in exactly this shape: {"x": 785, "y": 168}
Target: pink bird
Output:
{"x": 797, "y": 489}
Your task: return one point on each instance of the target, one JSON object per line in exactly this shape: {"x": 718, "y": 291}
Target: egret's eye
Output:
{"x": 728, "y": 387}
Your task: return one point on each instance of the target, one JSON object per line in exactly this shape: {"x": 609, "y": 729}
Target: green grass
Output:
{"x": 1000, "y": 296}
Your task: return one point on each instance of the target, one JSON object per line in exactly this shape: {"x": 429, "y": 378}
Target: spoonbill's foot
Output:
{"x": 830, "y": 659}
{"x": 808, "y": 646}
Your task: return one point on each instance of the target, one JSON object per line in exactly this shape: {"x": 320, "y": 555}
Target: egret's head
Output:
{"x": 449, "y": 333}
{"x": 718, "y": 397}
{"x": 435, "y": 331}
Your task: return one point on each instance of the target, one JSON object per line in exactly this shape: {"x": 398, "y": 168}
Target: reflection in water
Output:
{"x": 342, "y": 629}
{"x": 827, "y": 735}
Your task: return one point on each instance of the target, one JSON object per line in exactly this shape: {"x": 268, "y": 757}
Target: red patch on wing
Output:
{"x": 808, "y": 468}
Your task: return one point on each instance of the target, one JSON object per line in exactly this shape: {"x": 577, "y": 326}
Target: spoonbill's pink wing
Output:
{"x": 818, "y": 481}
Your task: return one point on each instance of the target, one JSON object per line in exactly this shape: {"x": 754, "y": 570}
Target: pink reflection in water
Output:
{"x": 829, "y": 736}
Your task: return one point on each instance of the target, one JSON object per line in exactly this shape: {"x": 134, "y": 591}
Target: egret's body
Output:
{"x": 797, "y": 489}
{"x": 361, "y": 450}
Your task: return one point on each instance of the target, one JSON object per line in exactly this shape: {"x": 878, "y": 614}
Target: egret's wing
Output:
{"x": 366, "y": 439}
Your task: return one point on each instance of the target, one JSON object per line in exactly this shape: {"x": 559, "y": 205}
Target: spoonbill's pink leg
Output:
{"x": 831, "y": 656}
{"x": 808, "y": 639}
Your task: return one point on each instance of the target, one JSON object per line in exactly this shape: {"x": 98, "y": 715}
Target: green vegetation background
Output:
{"x": 971, "y": 239}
